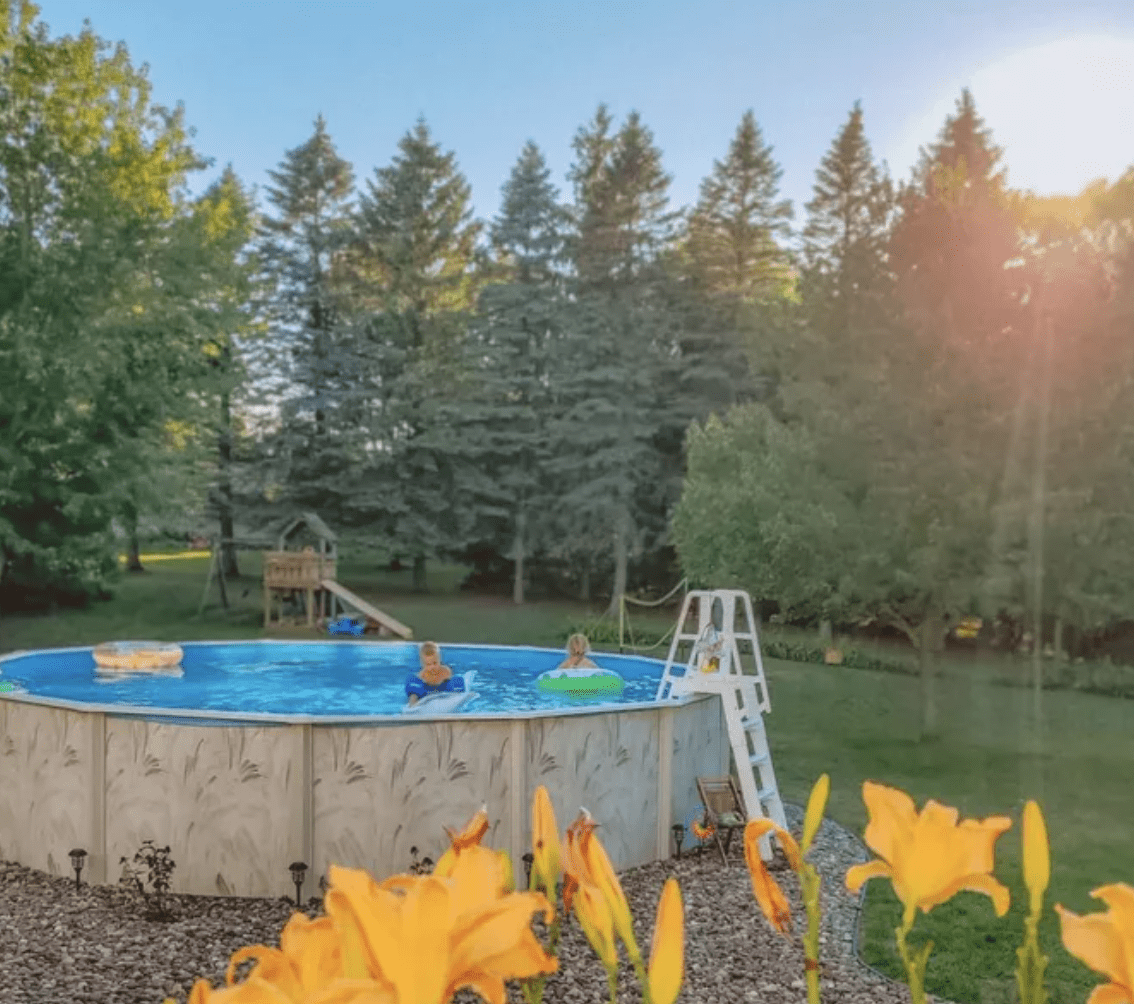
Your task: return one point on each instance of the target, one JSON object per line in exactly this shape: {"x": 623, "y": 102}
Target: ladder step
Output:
{"x": 757, "y": 759}
{"x": 767, "y": 794}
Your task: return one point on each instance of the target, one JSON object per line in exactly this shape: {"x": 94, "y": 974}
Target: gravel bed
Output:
{"x": 92, "y": 945}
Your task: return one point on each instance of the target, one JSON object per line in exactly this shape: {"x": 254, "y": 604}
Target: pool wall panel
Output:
{"x": 380, "y": 791}
{"x": 46, "y": 784}
{"x": 700, "y": 749}
{"x": 607, "y": 763}
{"x": 227, "y": 801}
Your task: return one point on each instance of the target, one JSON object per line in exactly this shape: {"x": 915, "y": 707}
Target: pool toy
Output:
{"x": 454, "y": 692}
{"x": 346, "y": 625}
{"x": 136, "y": 655}
{"x": 580, "y": 682}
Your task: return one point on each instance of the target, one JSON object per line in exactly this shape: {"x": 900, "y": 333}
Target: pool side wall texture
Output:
{"x": 238, "y": 804}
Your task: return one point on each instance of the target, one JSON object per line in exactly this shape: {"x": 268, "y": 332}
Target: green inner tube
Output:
{"x": 581, "y": 681}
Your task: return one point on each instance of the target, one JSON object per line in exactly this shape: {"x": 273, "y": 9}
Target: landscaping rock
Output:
{"x": 59, "y": 945}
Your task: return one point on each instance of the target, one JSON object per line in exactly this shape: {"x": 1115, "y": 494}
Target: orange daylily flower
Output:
{"x": 929, "y": 857}
{"x": 467, "y": 843}
{"x": 472, "y": 934}
{"x": 545, "y": 841}
{"x": 667, "y": 952}
{"x": 770, "y": 897}
{"x": 586, "y": 862}
{"x": 1105, "y": 942}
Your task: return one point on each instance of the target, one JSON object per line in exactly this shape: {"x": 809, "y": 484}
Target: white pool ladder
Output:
{"x": 744, "y": 695}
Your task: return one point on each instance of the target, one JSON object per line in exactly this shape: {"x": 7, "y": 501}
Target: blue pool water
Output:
{"x": 330, "y": 678}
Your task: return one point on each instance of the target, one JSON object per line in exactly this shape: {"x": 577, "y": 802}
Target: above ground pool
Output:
{"x": 261, "y": 754}
{"x": 339, "y": 679}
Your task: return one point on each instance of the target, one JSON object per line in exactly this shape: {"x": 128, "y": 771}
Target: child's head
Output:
{"x": 577, "y": 645}
{"x": 429, "y": 653}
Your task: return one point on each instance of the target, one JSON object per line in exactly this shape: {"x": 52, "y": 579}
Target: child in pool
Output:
{"x": 433, "y": 677}
{"x": 577, "y": 650}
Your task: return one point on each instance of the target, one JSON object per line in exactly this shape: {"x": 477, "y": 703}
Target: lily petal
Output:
{"x": 768, "y": 894}
{"x": 892, "y": 818}
{"x": 756, "y": 828}
{"x": 858, "y": 874}
{"x": 1094, "y": 941}
{"x": 986, "y": 884}
{"x": 1110, "y": 993}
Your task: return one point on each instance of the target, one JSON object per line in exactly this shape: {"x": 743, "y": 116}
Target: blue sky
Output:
{"x": 1049, "y": 77}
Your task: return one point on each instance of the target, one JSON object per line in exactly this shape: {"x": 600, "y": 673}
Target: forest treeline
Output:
{"x": 909, "y": 403}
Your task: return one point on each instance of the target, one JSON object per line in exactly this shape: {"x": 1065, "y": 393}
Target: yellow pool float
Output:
{"x": 135, "y": 655}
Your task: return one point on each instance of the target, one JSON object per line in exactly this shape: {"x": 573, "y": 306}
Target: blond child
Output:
{"x": 578, "y": 649}
{"x": 433, "y": 677}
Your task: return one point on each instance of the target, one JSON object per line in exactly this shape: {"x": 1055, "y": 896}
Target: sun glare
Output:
{"x": 1061, "y": 111}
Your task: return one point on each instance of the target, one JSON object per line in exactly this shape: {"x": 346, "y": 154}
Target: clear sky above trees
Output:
{"x": 488, "y": 77}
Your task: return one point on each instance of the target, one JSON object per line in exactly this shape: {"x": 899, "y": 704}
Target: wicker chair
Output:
{"x": 724, "y": 809}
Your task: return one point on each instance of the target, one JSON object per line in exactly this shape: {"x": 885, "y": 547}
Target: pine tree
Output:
{"x": 845, "y": 275}
{"x": 504, "y": 435}
{"x": 732, "y": 238}
{"x": 729, "y": 269}
{"x": 298, "y": 247}
{"x": 606, "y": 377}
{"x": 414, "y": 278}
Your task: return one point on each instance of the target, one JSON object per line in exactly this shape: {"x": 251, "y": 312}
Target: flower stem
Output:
{"x": 810, "y": 882}
{"x": 915, "y": 964}
{"x": 612, "y": 982}
{"x": 643, "y": 977}
{"x": 1031, "y": 965}
{"x": 533, "y": 986}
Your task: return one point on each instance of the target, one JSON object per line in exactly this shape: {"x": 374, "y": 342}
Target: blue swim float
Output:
{"x": 580, "y": 682}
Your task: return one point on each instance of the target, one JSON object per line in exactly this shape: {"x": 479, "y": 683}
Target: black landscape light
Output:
{"x": 298, "y": 870}
{"x": 77, "y": 856}
{"x": 529, "y": 860}
{"x": 678, "y": 836}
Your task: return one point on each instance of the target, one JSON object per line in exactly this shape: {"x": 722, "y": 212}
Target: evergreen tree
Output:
{"x": 845, "y": 275}
{"x": 415, "y": 281}
{"x": 606, "y": 377}
{"x": 732, "y": 236}
{"x": 731, "y": 273}
{"x": 312, "y": 352}
{"x": 504, "y": 435}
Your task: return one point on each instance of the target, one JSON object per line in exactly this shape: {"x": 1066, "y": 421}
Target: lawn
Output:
{"x": 853, "y": 724}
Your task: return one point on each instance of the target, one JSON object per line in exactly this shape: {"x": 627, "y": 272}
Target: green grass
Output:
{"x": 853, "y": 724}
{"x": 858, "y": 725}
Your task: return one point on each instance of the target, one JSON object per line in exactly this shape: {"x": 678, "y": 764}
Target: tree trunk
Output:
{"x": 585, "y": 583}
{"x": 224, "y": 491}
{"x": 825, "y": 630}
{"x": 621, "y": 558}
{"x": 419, "y": 585}
{"x": 1057, "y": 640}
{"x": 932, "y": 637}
{"x": 133, "y": 551}
{"x": 518, "y": 547}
